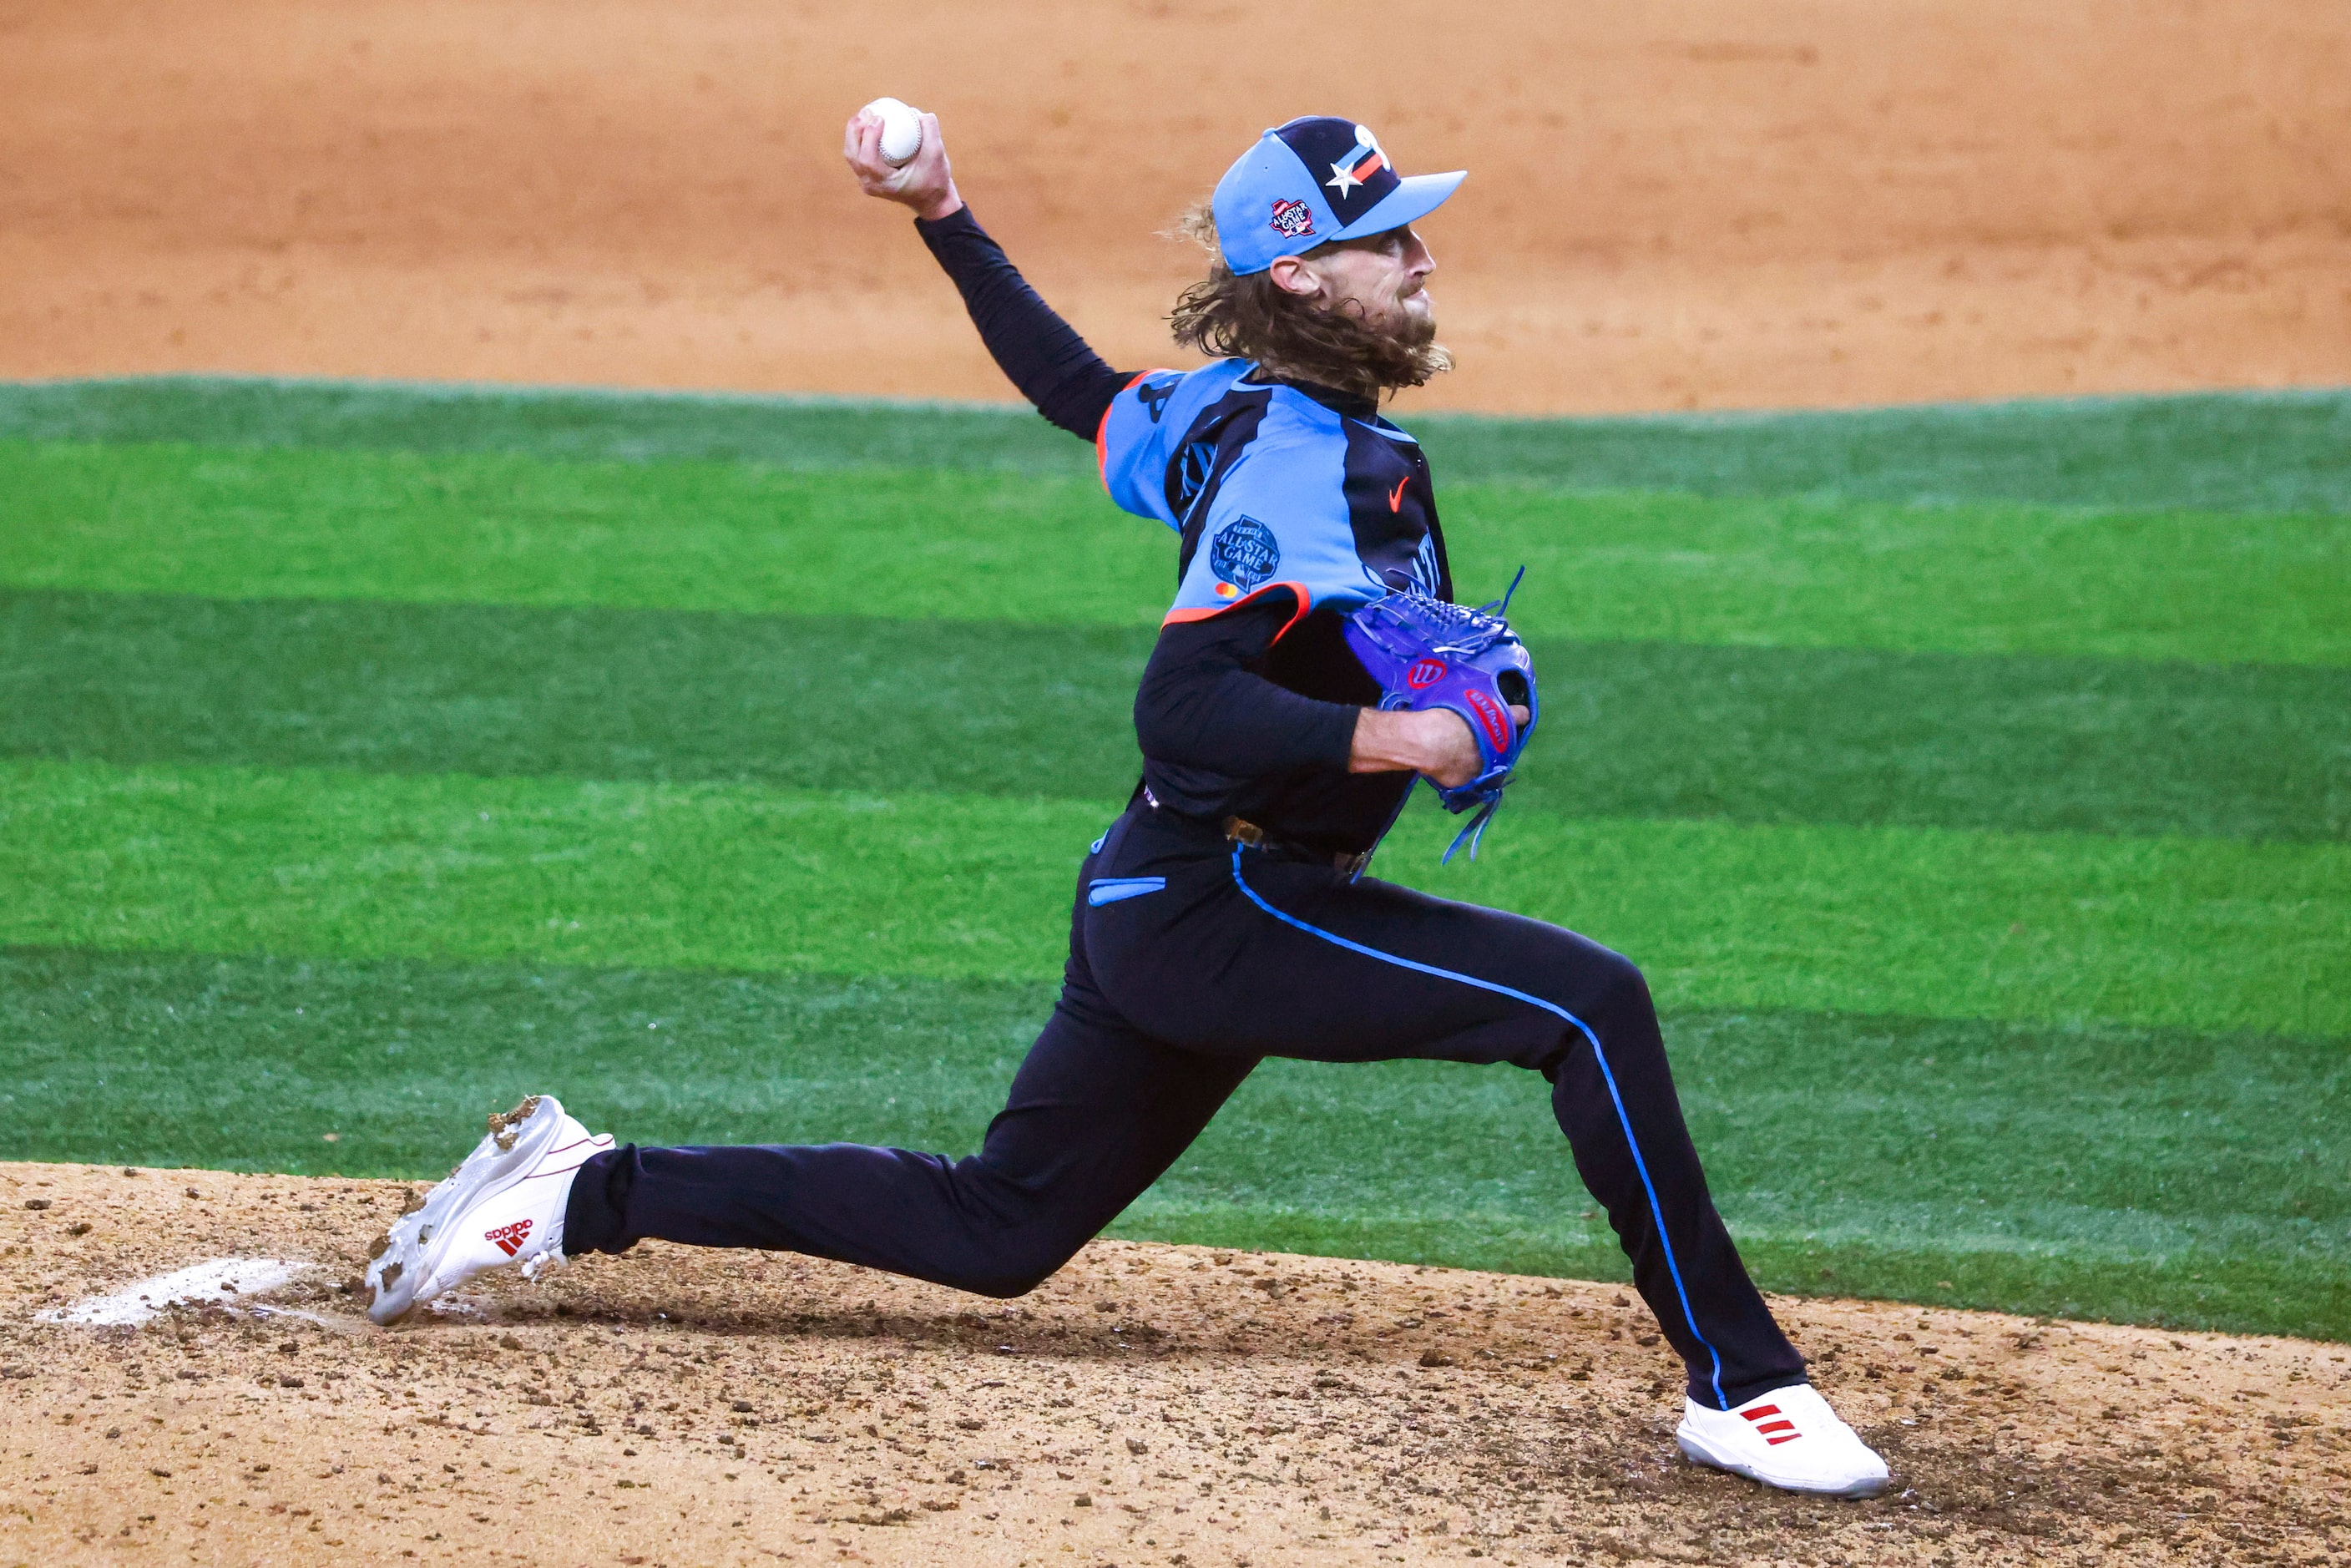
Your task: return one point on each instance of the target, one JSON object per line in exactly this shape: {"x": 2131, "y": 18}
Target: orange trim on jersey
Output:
{"x": 1102, "y": 427}
{"x": 1305, "y": 602}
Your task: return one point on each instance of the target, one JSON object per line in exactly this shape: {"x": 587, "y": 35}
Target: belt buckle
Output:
{"x": 1239, "y": 831}
{"x": 1352, "y": 866}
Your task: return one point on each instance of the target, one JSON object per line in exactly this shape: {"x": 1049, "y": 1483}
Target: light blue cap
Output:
{"x": 1318, "y": 178}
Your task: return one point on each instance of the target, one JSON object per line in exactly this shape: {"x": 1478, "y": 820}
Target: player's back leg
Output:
{"x": 1095, "y": 1113}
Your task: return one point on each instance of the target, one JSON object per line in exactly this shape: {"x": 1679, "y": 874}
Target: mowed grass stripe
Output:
{"x": 898, "y": 705}
{"x": 912, "y": 544}
{"x": 2212, "y": 588}
{"x": 1008, "y": 547}
{"x": 2199, "y": 934}
{"x": 2148, "y": 1174}
{"x": 560, "y": 422}
{"x": 1631, "y": 730}
{"x": 2227, "y": 451}
{"x": 2276, "y": 451}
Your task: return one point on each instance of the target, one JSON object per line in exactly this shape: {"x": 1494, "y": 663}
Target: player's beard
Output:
{"x": 1296, "y": 340}
{"x": 1402, "y": 351}
{"x": 1339, "y": 347}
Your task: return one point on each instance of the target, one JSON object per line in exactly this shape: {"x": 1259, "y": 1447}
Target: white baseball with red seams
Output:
{"x": 902, "y": 129}
{"x": 1788, "y": 1438}
{"x": 504, "y": 1205}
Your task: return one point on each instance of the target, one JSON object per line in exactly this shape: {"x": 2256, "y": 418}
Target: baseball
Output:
{"x": 902, "y": 129}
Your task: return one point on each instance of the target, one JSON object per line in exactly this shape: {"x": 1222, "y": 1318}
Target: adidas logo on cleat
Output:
{"x": 1758, "y": 1440}
{"x": 509, "y": 1238}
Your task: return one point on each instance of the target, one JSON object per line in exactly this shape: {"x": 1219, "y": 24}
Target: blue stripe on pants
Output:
{"x": 1656, "y": 1213}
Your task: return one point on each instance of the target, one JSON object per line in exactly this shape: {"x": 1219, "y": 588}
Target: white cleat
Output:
{"x": 504, "y": 1205}
{"x": 1788, "y": 1438}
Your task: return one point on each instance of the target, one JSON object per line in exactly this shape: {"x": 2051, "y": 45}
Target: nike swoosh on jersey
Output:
{"x": 1395, "y": 497}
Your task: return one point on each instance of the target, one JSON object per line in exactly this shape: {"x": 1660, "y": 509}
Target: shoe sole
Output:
{"x": 1698, "y": 1453}
{"x": 417, "y": 1241}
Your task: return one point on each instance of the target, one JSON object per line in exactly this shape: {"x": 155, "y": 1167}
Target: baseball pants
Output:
{"x": 1191, "y": 959}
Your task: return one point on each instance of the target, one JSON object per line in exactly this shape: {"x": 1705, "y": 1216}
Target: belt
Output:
{"x": 1240, "y": 830}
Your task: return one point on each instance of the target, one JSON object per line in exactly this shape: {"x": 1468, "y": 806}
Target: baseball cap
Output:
{"x": 1321, "y": 177}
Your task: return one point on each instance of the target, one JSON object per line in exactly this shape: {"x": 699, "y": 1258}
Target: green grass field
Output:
{"x": 1974, "y": 784}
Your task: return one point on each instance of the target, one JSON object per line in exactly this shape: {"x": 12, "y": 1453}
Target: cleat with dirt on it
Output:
{"x": 503, "y": 1205}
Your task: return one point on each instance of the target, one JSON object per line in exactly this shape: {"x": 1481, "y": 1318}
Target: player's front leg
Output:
{"x": 1749, "y": 1407}
{"x": 1308, "y": 963}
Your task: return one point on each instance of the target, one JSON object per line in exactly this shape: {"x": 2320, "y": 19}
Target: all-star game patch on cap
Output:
{"x": 1319, "y": 178}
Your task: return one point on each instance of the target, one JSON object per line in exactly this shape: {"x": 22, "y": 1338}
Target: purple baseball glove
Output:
{"x": 1427, "y": 654}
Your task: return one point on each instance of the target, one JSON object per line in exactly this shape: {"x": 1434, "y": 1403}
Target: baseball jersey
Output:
{"x": 1290, "y": 505}
{"x": 1272, "y": 487}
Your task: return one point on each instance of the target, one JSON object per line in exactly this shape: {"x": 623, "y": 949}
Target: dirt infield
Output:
{"x": 1702, "y": 203}
{"x": 1150, "y": 1404}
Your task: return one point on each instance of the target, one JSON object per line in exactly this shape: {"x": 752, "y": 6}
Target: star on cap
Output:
{"x": 1343, "y": 177}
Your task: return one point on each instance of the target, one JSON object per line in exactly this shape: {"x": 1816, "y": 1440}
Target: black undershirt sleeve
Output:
{"x": 1201, "y": 706}
{"x": 1042, "y": 354}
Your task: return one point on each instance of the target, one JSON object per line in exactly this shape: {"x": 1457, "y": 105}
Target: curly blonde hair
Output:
{"x": 1254, "y": 317}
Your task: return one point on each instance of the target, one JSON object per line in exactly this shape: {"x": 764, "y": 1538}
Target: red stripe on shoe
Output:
{"x": 1789, "y": 1438}
{"x": 1787, "y": 1426}
{"x": 1760, "y": 1411}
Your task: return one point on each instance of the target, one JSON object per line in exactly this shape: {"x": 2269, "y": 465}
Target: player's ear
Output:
{"x": 1295, "y": 275}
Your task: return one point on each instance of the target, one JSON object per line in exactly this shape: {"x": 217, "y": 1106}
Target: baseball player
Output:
{"x": 1225, "y": 916}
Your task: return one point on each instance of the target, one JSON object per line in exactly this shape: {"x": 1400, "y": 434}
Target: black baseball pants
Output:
{"x": 1190, "y": 960}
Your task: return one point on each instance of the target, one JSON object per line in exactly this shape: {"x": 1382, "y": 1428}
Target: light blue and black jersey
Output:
{"x": 1291, "y": 505}
{"x": 1272, "y": 489}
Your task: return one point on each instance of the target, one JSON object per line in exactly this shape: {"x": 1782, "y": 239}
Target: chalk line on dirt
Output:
{"x": 215, "y": 1282}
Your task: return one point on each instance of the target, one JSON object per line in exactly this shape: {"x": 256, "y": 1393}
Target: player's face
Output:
{"x": 1384, "y": 275}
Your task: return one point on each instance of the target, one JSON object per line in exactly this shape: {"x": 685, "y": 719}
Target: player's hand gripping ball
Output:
{"x": 897, "y": 154}
{"x": 1427, "y": 654}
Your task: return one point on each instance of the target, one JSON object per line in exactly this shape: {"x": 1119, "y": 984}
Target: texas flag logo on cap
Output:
{"x": 1359, "y": 163}
{"x": 1318, "y": 178}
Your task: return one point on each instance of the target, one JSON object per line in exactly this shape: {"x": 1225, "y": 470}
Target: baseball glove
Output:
{"x": 1427, "y": 654}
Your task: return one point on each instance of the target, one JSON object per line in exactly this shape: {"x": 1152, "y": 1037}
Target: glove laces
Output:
{"x": 1473, "y": 829}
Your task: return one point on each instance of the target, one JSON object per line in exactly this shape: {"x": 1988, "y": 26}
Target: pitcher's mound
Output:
{"x": 1150, "y": 1404}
